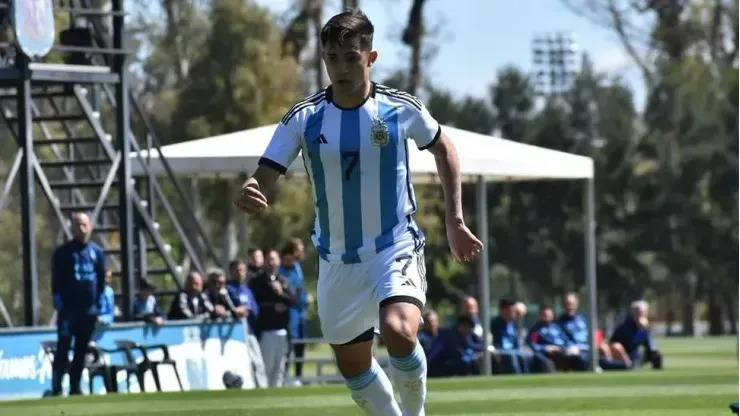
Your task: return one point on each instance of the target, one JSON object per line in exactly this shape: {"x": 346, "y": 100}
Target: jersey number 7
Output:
{"x": 353, "y": 157}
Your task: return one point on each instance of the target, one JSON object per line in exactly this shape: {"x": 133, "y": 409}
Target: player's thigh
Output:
{"x": 401, "y": 289}
{"x": 345, "y": 302}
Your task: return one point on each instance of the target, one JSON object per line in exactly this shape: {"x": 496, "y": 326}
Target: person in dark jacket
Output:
{"x": 218, "y": 294}
{"x": 429, "y": 330}
{"x": 634, "y": 333}
{"x": 191, "y": 302}
{"x": 510, "y": 357}
{"x": 546, "y": 338}
{"x": 456, "y": 351}
{"x": 77, "y": 283}
{"x": 275, "y": 299}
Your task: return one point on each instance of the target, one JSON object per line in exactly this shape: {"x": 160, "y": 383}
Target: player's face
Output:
{"x": 348, "y": 65}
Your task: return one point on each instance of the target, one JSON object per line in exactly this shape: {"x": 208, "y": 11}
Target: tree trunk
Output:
{"x": 350, "y": 4}
{"x": 714, "y": 313}
{"x": 412, "y": 37}
{"x": 316, "y": 17}
{"x": 730, "y": 304}
{"x": 688, "y": 306}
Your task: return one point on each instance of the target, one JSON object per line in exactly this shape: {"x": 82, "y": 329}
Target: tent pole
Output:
{"x": 589, "y": 231}
{"x": 484, "y": 271}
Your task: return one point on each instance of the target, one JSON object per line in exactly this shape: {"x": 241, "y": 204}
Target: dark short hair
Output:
{"x": 349, "y": 25}
{"x": 288, "y": 248}
{"x": 252, "y": 251}
{"x": 465, "y": 320}
{"x": 505, "y": 303}
{"x": 234, "y": 263}
{"x": 544, "y": 307}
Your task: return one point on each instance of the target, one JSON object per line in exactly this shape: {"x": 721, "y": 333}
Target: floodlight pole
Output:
{"x": 554, "y": 59}
{"x": 484, "y": 270}
{"x": 589, "y": 237}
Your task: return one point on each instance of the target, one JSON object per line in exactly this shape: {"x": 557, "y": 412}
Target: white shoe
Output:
{"x": 296, "y": 383}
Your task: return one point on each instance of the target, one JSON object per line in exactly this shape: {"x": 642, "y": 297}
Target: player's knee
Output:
{"x": 399, "y": 324}
{"x": 353, "y": 358}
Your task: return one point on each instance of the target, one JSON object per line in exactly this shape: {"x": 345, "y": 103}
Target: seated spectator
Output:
{"x": 145, "y": 304}
{"x": 275, "y": 299}
{"x": 632, "y": 334}
{"x": 107, "y": 307}
{"x": 241, "y": 295}
{"x": 429, "y": 330}
{"x": 470, "y": 307}
{"x": 546, "y": 339}
{"x": 217, "y": 293}
{"x": 455, "y": 351}
{"x": 576, "y": 330}
{"x": 509, "y": 356}
{"x": 191, "y": 302}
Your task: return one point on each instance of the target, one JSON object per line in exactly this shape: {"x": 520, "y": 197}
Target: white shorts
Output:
{"x": 349, "y": 295}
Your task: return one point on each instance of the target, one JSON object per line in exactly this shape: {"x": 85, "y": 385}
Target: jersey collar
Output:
{"x": 329, "y": 98}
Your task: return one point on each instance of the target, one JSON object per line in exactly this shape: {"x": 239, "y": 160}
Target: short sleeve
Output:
{"x": 422, "y": 127}
{"x": 283, "y": 147}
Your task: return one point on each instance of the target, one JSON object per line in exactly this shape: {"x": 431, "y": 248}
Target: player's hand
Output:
{"x": 251, "y": 200}
{"x": 464, "y": 245}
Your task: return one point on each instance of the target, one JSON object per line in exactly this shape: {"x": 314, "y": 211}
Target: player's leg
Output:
{"x": 401, "y": 294}
{"x": 347, "y": 313}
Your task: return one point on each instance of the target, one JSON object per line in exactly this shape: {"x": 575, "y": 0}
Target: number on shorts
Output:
{"x": 405, "y": 267}
{"x": 353, "y": 158}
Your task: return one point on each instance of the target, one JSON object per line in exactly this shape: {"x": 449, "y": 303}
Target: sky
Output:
{"x": 476, "y": 42}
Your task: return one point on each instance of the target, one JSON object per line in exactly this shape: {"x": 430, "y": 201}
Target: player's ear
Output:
{"x": 372, "y": 58}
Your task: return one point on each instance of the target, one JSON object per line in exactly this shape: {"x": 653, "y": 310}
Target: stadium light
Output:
{"x": 554, "y": 57}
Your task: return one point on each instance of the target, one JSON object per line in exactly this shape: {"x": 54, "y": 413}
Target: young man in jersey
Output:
{"x": 353, "y": 137}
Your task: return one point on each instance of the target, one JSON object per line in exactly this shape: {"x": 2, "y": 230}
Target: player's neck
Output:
{"x": 354, "y": 99}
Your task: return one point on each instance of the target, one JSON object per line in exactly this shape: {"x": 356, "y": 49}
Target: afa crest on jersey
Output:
{"x": 33, "y": 22}
{"x": 379, "y": 135}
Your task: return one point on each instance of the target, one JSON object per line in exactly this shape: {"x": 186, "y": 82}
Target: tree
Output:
{"x": 242, "y": 80}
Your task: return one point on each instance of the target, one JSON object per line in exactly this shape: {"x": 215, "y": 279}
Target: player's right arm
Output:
{"x": 280, "y": 153}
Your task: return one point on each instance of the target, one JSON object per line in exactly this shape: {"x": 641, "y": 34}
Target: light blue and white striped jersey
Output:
{"x": 357, "y": 161}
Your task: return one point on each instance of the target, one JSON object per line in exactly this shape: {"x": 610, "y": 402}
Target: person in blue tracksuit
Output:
{"x": 575, "y": 328}
{"x": 145, "y": 306}
{"x": 456, "y": 351}
{"x": 77, "y": 283}
{"x": 107, "y": 308}
{"x": 546, "y": 339}
{"x": 634, "y": 333}
{"x": 291, "y": 257}
{"x": 509, "y": 355}
{"x": 429, "y": 330}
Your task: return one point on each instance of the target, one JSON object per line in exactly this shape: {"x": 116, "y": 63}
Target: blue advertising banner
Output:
{"x": 203, "y": 352}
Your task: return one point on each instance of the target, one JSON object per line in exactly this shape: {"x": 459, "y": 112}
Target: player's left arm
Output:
{"x": 428, "y": 135}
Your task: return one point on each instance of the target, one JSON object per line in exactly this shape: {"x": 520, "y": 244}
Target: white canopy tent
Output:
{"x": 482, "y": 158}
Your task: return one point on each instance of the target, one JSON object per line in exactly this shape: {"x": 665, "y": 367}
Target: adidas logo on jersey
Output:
{"x": 408, "y": 282}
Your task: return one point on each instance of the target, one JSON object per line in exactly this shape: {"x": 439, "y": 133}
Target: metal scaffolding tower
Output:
{"x": 73, "y": 122}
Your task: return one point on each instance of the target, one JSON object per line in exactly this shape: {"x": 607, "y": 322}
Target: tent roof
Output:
{"x": 480, "y": 155}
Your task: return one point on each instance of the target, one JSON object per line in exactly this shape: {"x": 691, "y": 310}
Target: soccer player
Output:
{"x": 353, "y": 138}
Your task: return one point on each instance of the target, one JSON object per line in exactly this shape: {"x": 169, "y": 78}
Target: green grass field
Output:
{"x": 701, "y": 379}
